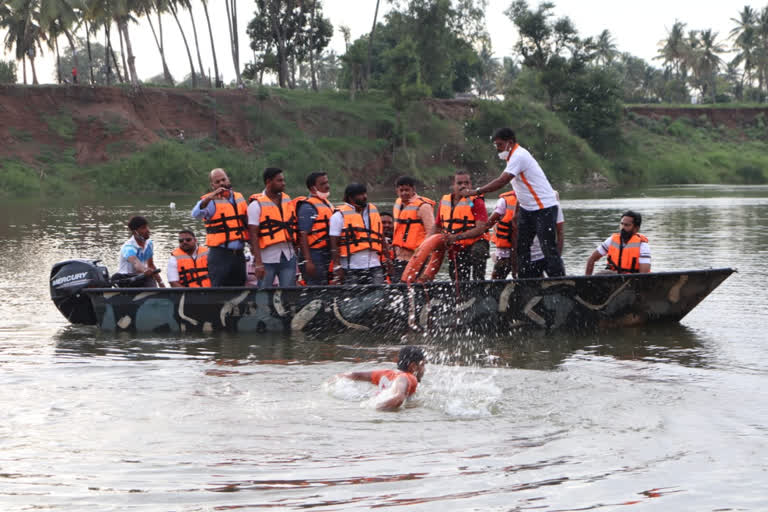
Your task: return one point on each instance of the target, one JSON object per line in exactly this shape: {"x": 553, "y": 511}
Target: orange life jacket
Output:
{"x": 389, "y": 377}
{"x": 502, "y": 235}
{"x": 277, "y": 224}
{"x": 318, "y": 236}
{"x": 229, "y": 222}
{"x": 624, "y": 258}
{"x": 459, "y": 218}
{"x": 409, "y": 229}
{"x": 355, "y": 236}
{"x": 193, "y": 271}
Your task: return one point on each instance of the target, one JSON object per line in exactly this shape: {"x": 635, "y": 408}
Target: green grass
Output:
{"x": 61, "y": 124}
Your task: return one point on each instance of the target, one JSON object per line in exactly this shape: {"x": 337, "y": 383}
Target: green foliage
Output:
{"x": 17, "y": 179}
{"x": 61, "y": 123}
{"x": 7, "y": 72}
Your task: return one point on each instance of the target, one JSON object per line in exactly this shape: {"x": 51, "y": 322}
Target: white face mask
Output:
{"x": 322, "y": 195}
{"x": 504, "y": 155}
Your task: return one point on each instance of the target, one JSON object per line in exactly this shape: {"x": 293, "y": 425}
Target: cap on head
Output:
{"x": 408, "y": 355}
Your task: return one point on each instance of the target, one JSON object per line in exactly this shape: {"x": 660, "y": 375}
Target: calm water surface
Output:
{"x": 671, "y": 417}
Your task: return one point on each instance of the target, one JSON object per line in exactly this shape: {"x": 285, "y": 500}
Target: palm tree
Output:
{"x": 605, "y": 48}
{"x": 672, "y": 49}
{"x": 23, "y": 32}
{"x": 188, "y": 6}
{"x": 746, "y": 44}
{"x": 123, "y": 14}
{"x": 159, "y": 7}
{"x": 213, "y": 47}
{"x": 709, "y": 61}
{"x": 370, "y": 46}
{"x": 173, "y": 4}
{"x": 231, "y": 6}
{"x": 59, "y": 17}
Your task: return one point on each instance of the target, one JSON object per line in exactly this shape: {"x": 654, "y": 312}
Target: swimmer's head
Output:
{"x": 412, "y": 360}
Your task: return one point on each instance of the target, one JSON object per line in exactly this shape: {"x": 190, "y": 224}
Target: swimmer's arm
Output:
{"x": 366, "y": 376}
{"x": 399, "y": 391}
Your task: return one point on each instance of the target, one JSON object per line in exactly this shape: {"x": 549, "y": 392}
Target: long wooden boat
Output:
{"x": 481, "y": 307}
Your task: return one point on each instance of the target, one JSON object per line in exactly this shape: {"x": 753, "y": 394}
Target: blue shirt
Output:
{"x": 131, "y": 248}
{"x": 207, "y": 212}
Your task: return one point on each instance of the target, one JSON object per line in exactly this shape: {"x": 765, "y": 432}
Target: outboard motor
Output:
{"x": 68, "y": 279}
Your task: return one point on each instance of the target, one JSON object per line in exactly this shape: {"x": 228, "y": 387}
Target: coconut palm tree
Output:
{"x": 605, "y": 48}
{"x": 24, "y": 33}
{"x": 746, "y": 43}
{"x": 673, "y": 49}
{"x": 370, "y": 46}
{"x": 174, "y": 6}
{"x": 213, "y": 47}
{"x": 231, "y": 6}
{"x": 709, "y": 60}
{"x": 186, "y": 4}
{"x": 159, "y": 6}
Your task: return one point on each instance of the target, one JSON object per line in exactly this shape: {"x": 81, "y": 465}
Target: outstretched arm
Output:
{"x": 366, "y": 376}
{"x": 493, "y": 186}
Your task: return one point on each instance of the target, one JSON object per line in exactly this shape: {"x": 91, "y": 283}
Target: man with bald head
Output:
{"x": 225, "y": 213}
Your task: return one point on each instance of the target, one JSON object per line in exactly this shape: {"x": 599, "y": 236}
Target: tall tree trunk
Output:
{"x": 166, "y": 73}
{"x": 58, "y": 59}
{"x": 117, "y": 65}
{"x": 313, "y": 28}
{"x": 213, "y": 48}
{"x": 231, "y": 6}
{"x": 90, "y": 56}
{"x": 106, "y": 54}
{"x": 186, "y": 45}
{"x": 122, "y": 50}
{"x": 370, "y": 47}
{"x": 24, "y": 66}
{"x": 71, "y": 41}
{"x": 197, "y": 44}
{"x": 34, "y": 71}
{"x": 129, "y": 50}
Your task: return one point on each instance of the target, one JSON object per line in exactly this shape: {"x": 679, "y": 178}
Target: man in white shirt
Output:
{"x": 136, "y": 256}
{"x": 357, "y": 239}
{"x": 536, "y": 199}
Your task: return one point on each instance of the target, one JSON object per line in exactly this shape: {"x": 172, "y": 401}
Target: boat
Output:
{"x": 83, "y": 293}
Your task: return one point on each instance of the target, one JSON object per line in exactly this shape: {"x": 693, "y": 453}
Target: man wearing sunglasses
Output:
{"x": 188, "y": 264}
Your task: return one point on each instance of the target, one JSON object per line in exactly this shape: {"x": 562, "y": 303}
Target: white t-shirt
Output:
{"x": 645, "y": 250}
{"x": 536, "y": 252}
{"x": 272, "y": 253}
{"x": 172, "y": 272}
{"x": 531, "y": 185}
{"x": 360, "y": 260}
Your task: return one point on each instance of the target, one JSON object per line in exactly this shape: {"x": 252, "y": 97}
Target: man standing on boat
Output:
{"x": 400, "y": 383}
{"x": 313, "y": 214}
{"x": 414, "y": 217}
{"x": 537, "y": 201}
{"x": 463, "y": 218}
{"x": 357, "y": 239}
{"x": 628, "y": 251}
{"x": 225, "y": 214}
{"x": 136, "y": 256}
{"x": 271, "y": 223}
{"x": 188, "y": 264}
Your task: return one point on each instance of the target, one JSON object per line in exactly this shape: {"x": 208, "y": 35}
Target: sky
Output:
{"x": 636, "y": 27}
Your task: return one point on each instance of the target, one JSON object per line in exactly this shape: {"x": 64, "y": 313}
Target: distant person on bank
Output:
{"x": 401, "y": 383}
{"x": 357, "y": 239}
{"x": 628, "y": 251}
{"x": 463, "y": 219}
{"x": 188, "y": 264}
{"x": 314, "y": 214}
{"x": 225, "y": 213}
{"x": 537, "y": 214}
{"x": 136, "y": 256}
{"x": 271, "y": 222}
{"x": 414, "y": 218}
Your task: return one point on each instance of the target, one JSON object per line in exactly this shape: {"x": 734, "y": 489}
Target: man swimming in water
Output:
{"x": 401, "y": 383}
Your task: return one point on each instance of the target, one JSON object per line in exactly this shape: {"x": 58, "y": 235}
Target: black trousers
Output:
{"x": 541, "y": 223}
{"x": 470, "y": 262}
{"x": 226, "y": 267}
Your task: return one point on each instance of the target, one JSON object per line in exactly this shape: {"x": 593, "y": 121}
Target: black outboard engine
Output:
{"x": 68, "y": 279}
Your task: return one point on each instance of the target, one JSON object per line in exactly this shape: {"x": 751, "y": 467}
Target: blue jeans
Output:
{"x": 285, "y": 272}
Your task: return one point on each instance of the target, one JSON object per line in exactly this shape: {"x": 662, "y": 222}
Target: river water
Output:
{"x": 670, "y": 417}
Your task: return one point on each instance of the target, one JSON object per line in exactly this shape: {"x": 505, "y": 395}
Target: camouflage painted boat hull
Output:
{"x": 483, "y": 307}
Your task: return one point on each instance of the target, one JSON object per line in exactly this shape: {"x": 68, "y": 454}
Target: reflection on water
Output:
{"x": 103, "y": 421}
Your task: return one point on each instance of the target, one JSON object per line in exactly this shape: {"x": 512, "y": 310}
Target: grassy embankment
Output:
{"x": 298, "y": 131}
{"x": 362, "y": 140}
{"x": 692, "y": 149}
